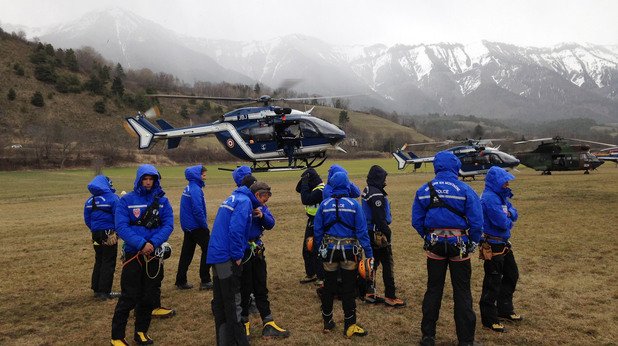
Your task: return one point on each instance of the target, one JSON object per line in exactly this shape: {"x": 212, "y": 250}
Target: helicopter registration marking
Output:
{"x": 230, "y": 143}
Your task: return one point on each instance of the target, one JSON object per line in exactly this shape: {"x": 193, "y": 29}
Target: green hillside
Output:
{"x": 78, "y": 118}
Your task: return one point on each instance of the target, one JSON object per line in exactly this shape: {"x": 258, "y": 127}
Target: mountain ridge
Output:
{"x": 486, "y": 78}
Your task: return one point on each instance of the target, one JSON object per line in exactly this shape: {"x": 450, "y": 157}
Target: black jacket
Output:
{"x": 375, "y": 202}
{"x": 308, "y": 181}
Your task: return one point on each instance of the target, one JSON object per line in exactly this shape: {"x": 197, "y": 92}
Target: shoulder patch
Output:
{"x": 378, "y": 203}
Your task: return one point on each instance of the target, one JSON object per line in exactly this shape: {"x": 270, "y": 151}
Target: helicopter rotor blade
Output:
{"x": 236, "y": 99}
{"x": 591, "y": 142}
{"x": 316, "y": 97}
{"x": 534, "y": 140}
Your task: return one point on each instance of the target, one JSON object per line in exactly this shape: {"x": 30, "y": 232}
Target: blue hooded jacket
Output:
{"x": 105, "y": 199}
{"x": 350, "y": 213}
{"x": 193, "y": 214}
{"x": 496, "y": 205}
{"x": 240, "y": 173}
{"x": 258, "y": 225}
{"x": 452, "y": 191}
{"x": 230, "y": 230}
{"x": 134, "y": 204}
{"x": 353, "y": 190}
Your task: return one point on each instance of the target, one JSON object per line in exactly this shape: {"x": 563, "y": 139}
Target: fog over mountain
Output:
{"x": 489, "y": 79}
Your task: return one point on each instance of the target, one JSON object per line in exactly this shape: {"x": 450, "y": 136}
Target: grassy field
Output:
{"x": 564, "y": 244}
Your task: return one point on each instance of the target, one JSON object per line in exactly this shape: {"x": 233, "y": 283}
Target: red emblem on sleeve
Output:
{"x": 136, "y": 212}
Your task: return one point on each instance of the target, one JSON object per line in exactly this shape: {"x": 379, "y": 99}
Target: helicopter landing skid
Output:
{"x": 267, "y": 166}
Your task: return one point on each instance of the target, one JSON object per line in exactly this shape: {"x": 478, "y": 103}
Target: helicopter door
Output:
{"x": 288, "y": 135}
{"x": 260, "y": 137}
{"x": 494, "y": 159}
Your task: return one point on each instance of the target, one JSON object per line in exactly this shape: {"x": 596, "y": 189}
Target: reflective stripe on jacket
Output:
{"x": 312, "y": 209}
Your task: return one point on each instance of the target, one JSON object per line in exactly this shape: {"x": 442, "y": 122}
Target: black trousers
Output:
{"x": 198, "y": 236}
{"x": 313, "y": 264}
{"x": 254, "y": 280}
{"x": 226, "y": 304}
{"x": 461, "y": 270}
{"x": 141, "y": 290}
{"x": 501, "y": 275}
{"x": 104, "y": 265}
{"x": 345, "y": 290}
{"x": 384, "y": 256}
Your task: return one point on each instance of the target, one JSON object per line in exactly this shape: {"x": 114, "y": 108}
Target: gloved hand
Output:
{"x": 472, "y": 246}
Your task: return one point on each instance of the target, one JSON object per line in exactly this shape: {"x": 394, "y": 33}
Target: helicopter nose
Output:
{"x": 335, "y": 136}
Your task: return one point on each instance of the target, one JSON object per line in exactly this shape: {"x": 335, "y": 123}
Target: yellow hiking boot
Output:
{"x": 394, "y": 302}
{"x": 119, "y": 342}
{"x": 162, "y": 312}
{"x": 497, "y": 327}
{"x": 272, "y": 330}
{"x": 142, "y": 338}
{"x": 247, "y": 328}
{"x": 355, "y": 329}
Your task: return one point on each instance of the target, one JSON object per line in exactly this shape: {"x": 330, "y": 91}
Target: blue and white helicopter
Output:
{"x": 608, "y": 154}
{"x": 477, "y": 157}
{"x": 262, "y": 135}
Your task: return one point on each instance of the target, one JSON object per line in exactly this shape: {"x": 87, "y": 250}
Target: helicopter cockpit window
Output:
{"x": 308, "y": 130}
{"x": 324, "y": 127}
{"x": 258, "y": 133}
{"x": 493, "y": 158}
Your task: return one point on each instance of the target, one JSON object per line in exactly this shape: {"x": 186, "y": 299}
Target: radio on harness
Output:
{"x": 150, "y": 219}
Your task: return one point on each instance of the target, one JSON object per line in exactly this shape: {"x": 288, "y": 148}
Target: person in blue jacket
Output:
{"x": 254, "y": 275}
{"x": 353, "y": 190}
{"x": 226, "y": 248}
{"x": 501, "y": 273}
{"x": 447, "y": 214}
{"x": 99, "y": 217}
{"x": 240, "y": 173}
{"x": 144, "y": 220}
{"x": 194, "y": 223}
{"x": 341, "y": 231}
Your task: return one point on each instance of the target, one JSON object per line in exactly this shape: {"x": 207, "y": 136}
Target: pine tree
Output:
{"x": 99, "y": 106}
{"x": 45, "y": 73}
{"x": 343, "y": 118}
{"x": 37, "y": 99}
{"x": 119, "y": 72}
{"x": 70, "y": 60}
{"x": 11, "y": 95}
{"x": 117, "y": 86}
{"x": 19, "y": 70}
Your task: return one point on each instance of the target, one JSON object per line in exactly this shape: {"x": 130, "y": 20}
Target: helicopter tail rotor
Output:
{"x": 152, "y": 112}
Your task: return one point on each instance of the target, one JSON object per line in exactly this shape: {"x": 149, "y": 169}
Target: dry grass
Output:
{"x": 564, "y": 242}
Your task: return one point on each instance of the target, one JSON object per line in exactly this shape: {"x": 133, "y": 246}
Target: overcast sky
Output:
{"x": 521, "y": 22}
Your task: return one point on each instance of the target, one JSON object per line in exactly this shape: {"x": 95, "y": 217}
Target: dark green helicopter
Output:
{"x": 557, "y": 154}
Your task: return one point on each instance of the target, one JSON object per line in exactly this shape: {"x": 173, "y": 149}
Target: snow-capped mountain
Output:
{"x": 136, "y": 42}
{"x": 489, "y": 79}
